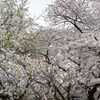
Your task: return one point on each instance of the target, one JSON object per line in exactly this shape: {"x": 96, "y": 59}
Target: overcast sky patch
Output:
{"x": 37, "y": 7}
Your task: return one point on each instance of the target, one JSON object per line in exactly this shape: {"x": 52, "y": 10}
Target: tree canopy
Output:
{"x": 38, "y": 63}
{"x": 82, "y": 14}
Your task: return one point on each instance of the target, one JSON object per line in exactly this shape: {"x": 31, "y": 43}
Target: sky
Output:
{"x": 37, "y": 7}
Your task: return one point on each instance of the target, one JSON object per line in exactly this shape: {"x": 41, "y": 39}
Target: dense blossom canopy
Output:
{"x": 69, "y": 69}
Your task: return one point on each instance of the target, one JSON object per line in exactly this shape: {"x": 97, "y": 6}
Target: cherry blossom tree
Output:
{"x": 78, "y": 52}
{"x": 20, "y": 39}
{"x": 81, "y": 50}
{"x": 81, "y": 14}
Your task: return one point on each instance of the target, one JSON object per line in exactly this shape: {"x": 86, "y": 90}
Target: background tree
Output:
{"x": 82, "y": 14}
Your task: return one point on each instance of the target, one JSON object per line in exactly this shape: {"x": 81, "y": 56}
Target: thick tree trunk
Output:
{"x": 91, "y": 93}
